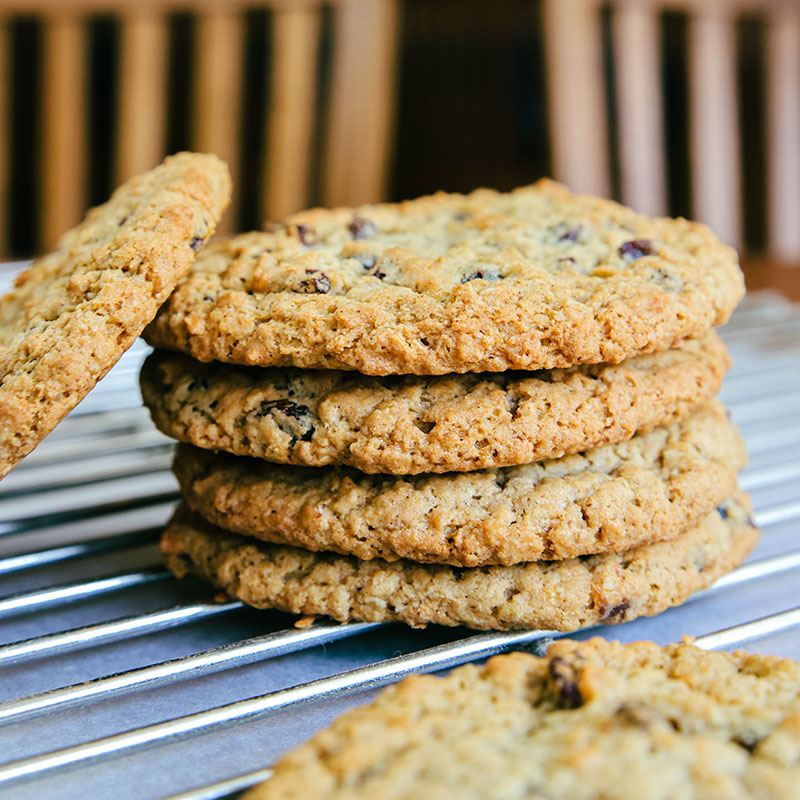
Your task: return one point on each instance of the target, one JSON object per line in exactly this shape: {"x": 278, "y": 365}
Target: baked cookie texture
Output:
{"x": 537, "y": 278}
{"x": 590, "y": 720}
{"x": 552, "y": 595}
{"x": 405, "y": 425}
{"x": 73, "y": 313}
{"x": 653, "y": 486}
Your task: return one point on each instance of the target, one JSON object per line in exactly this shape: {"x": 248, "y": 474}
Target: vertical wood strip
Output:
{"x": 360, "y": 120}
{"x": 578, "y": 134}
{"x": 714, "y": 122}
{"x": 285, "y": 185}
{"x": 5, "y": 149}
{"x": 220, "y": 37}
{"x": 783, "y": 132}
{"x": 64, "y": 141}
{"x": 639, "y": 103}
{"x": 142, "y": 100}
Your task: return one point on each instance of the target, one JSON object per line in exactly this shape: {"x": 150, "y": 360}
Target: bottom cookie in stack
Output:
{"x": 614, "y": 533}
{"x": 552, "y": 595}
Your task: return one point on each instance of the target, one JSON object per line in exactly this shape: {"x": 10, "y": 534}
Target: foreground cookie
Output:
{"x": 70, "y": 316}
{"x": 591, "y": 720}
{"x": 535, "y": 279}
{"x": 552, "y": 595}
{"x": 651, "y": 487}
{"x": 408, "y": 425}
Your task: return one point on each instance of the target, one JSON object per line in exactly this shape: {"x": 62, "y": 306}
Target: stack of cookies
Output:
{"x": 493, "y": 410}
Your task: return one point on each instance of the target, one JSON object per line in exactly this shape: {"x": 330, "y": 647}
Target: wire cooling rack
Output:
{"x": 117, "y": 680}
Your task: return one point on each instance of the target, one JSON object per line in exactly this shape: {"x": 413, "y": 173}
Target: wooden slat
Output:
{"x": 714, "y": 122}
{"x": 5, "y": 150}
{"x": 142, "y": 101}
{"x": 362, "y": 99}
{"x": 219, "y": 54}
{"x": 285, "y": 185}
{"x": 578, "y": 135}
{"x": 64, "y": 142}
{"x": 639, "y": 103}
{"x": 783, "y": 131}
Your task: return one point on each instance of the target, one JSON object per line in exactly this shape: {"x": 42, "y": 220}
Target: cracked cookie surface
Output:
{"x": 651, "y": 487}
{"x": 590, "y": 720}
{"x": 551, "y": 595}
{"x": 534, "y": 279}
{"x": 74, "y": 312}
{"x": 405, "y": 425}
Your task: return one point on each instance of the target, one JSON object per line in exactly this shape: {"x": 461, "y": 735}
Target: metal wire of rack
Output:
{"x": 147, "y": 687}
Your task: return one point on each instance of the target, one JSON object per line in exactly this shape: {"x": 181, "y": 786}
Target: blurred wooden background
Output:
{"x": 674, "y": 106}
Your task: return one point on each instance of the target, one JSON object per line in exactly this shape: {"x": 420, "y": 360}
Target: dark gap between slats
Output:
{"x": 25, "y": 158}
{"x": 103, "y": 105}
{"x": 611, "y": 102}
{"x": 471, "y": 106}
{"x": 180, "y": 81}
{"x": 323, "y": 69}
{"x": 253, "y": 117}
{"x": 675, "y": 90}
{"x": 751, "y": 90}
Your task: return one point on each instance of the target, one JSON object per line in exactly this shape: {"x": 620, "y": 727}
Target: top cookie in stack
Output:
{"x": 353, "y": 337}
{"x": 535, "y": 279}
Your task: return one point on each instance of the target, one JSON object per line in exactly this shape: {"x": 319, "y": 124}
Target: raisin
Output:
{"x": 196, "y": 242}
{"x": 306, "y": 235}
{"x": 361, "y": 228}
{"x": 570, "y": 234}
{"x": 722, "y": 511}
{"x": 377, "y": 272}
{"x": 317, "y": 282}
{"x": 636, "y": 248}
{"x": 618, "y": 612}
{"x": 565, "y": 682}
{"x": 294, "y": 419}
{"x": 287, "y": 407}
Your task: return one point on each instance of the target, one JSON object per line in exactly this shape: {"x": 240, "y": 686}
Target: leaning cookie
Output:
{"x": 590, "y": 720}
{"x": 405, "y": 425}
{"x": 614, "y": 497}
{"x": 534, "y": 279}
{"x": 73, "y": 313}
{"x": 552, "y": 595}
